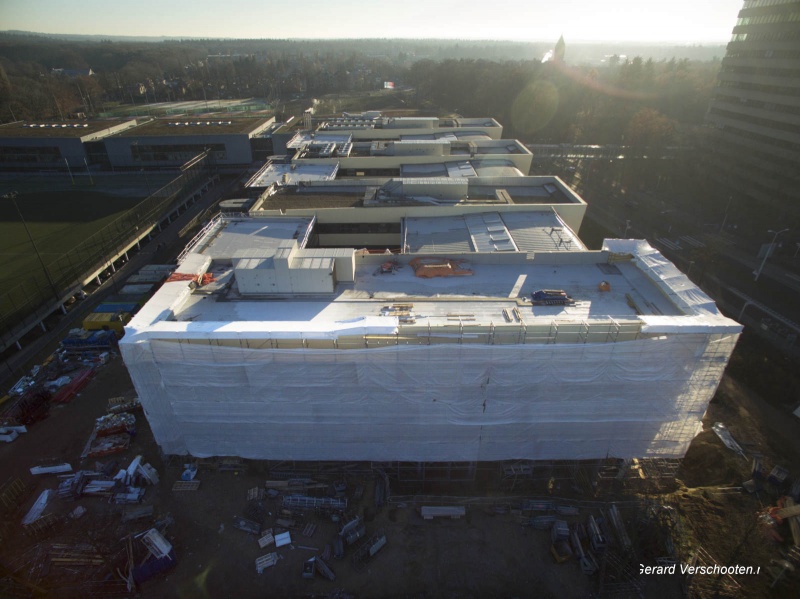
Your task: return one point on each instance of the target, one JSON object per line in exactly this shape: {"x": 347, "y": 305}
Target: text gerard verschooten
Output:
{"x": 716, "y": 569}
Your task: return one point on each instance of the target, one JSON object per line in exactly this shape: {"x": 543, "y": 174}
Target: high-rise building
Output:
{"x": 755, "y": 112}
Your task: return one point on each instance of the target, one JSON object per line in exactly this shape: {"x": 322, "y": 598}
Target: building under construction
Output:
{"x": 490, "y": 334}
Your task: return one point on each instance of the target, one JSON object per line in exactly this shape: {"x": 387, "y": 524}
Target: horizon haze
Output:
{"x": 679, "y": 21}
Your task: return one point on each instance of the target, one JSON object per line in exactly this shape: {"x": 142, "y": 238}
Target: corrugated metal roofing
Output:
{"x": 437, "y": 235}
{"x": 541, "y": 232}
{"x": 488, "y": 233}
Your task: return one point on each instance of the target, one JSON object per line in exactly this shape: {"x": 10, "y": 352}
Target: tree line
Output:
{"x": 634, "y": 101}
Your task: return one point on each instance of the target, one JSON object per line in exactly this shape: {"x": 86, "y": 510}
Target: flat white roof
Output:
{"x": 302, "y": 138}
{"x": 293, "y": 173}
{"x": 230, "y": 236}
{"x": 478, "y": 299}
{"x": 637, "y": 286}
{"x": 449, "y": 136}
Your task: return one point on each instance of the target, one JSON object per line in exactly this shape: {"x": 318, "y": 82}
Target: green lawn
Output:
{"x": 60, "y": 215}
{"x": 57, "y": 221}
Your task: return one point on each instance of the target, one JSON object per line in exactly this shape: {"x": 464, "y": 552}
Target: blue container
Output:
{"x": 112, "y": 307}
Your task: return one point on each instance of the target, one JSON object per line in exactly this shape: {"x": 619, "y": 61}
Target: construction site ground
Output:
{"x": 491, "y": 552}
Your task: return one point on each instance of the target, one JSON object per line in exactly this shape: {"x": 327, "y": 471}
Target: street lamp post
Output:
{"x": 12, "y": 195}
{"x": 69, "y": 170}
{"x": 766, "y": 254}
{"x": 725, "y": 218}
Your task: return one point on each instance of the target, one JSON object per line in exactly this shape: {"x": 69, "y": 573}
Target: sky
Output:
{"x": 680, "y": 21}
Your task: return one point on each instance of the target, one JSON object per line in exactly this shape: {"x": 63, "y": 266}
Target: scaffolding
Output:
{"x": 448, "y": 402}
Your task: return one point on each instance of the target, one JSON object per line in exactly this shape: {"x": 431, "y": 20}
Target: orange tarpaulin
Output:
{"x": 438, "y": 267}
{"x": 201, "y": 280}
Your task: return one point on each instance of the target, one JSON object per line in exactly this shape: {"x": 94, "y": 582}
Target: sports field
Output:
{"x": 60, "y": 215}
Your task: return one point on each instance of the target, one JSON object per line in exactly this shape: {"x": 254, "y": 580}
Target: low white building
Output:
{"x": 297, "y": 352}
{"x": 374, "y": 126}
{"x": 420, "y": 158}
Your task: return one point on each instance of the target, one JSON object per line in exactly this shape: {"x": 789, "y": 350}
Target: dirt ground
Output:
{"x": 489, "y": 553}
{"x": 726, "y": 522}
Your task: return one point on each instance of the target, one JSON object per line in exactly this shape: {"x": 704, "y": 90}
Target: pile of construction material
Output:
{"x": 59, "y": 379}
{"x": 112, "y": 434}
{"x": 125, "y": 486}
{"x": 582, "y": 540}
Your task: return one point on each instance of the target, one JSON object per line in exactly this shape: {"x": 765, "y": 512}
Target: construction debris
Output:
{"x": 156, "y": 543}
{"x": 136, "y": 513}
{"x": 368, "y": 549}
{"x": 429, "y": 267}
{"x": 267, "y": 539}
{"x": 727, "y": 439}
{"x": 152, "y": 564}
{"x": 256, "y": 494}
{"x": 9, "y": 433}
{"x": 247, "y": 525}
{"x": 121, "y": 404}
{"x": 619, "y": 527}
{"x": 97, "y": 448}
{"x": 266, "y": 561}
{"x": 112, "y": 424}
{"x": 189, "y": 472}
{"x": 791, "y": 512}
{"x": 72, "y": 487}
{"x": 27, "y": 409}
{"x": 124, "y": 487}
{"x": 597, "y": 538}
{"x": 309, "y": 530}
{"x": 82, "y": 554}
{"x": 324, "y": 569}
{"x": 561, "y": 551}
{"x": 353, "y": 530}
{"x": 452, "y": 512}
{"x": 186, "y": 485}
{"x": 560, "y": 531}
{"x": 74, "y": 386}
{"x": 543, "y": 522}
{"x": 38, "y": 507}
{"x": 551, "y": 297}
{"x": 304, "y": 502}
{"x": 57, "y": 469}
{"x": 777, "y": 476}
{"x": 130, "y": 495}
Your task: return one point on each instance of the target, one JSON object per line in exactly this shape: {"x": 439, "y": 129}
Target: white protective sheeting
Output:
{"x": 690, "y": 299}
{"x": 448, "y": 402}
